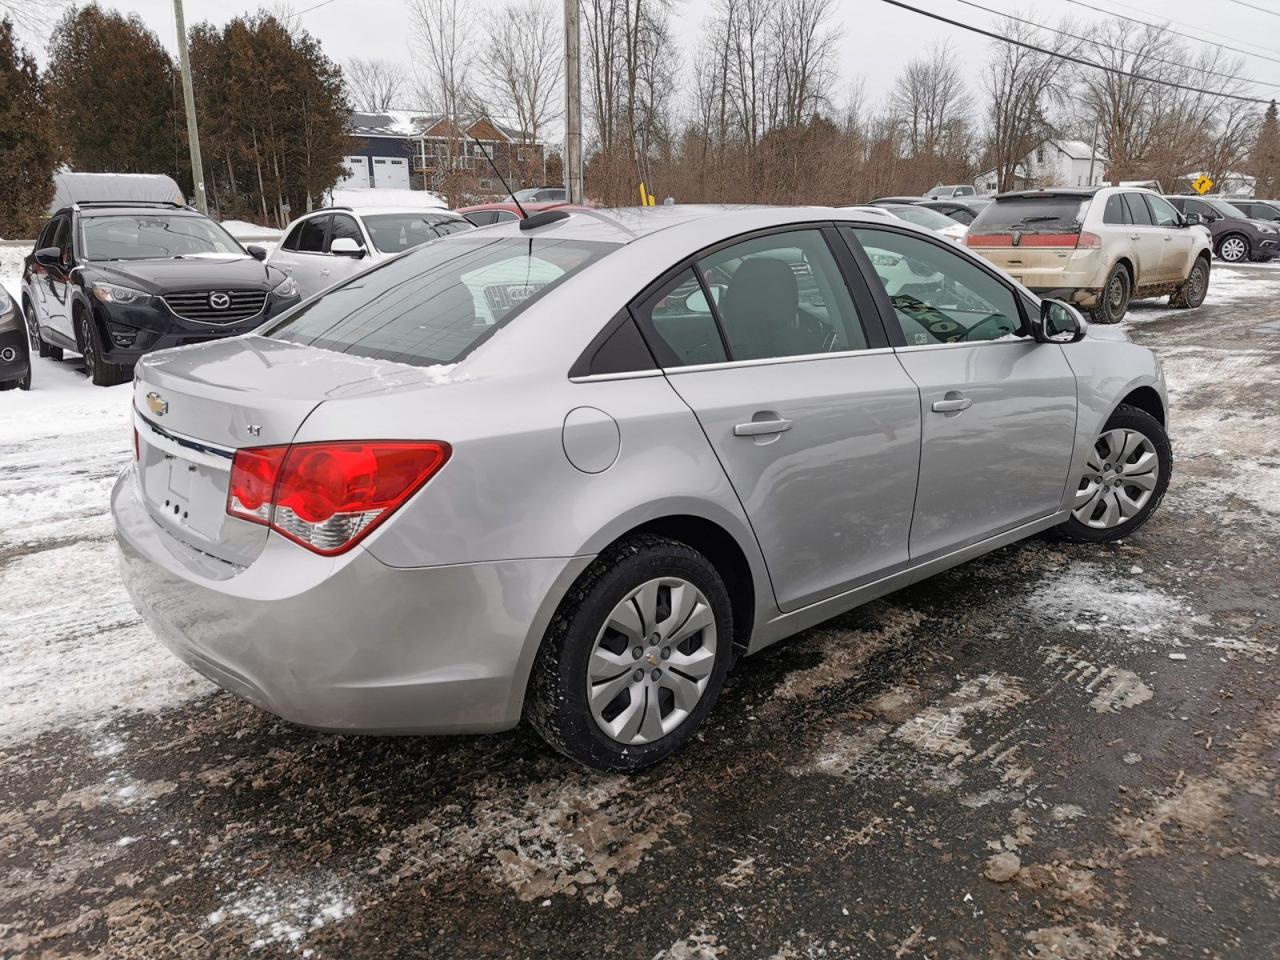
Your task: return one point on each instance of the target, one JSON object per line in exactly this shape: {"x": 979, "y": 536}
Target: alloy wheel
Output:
{"x": 652, "y": 661}
{"x": 86, "y": 339}
{"x": 1120, "y": 479}
{"x": 1233, "y": 249}
{"x": 1196, "y": 284}
{"x": 1116, "y": 295}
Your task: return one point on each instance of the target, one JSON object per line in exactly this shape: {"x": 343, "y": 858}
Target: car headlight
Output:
{"x": 114, "y": 293}
{"x": 287, "y": 288}
{"x": 1267, "y": 230}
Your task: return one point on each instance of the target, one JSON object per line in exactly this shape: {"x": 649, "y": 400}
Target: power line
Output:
{"x": 1112, "y": 46}
{"x": 1254, "y": 6}
{"x": 1178, "y": 33}
{"x": 1073, "y": 59}
{"x": 314, "y": 6}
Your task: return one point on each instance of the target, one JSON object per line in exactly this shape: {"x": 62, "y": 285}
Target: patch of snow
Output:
{"x": 286, "y": 914}
{"x": 387, "y": 197}
{"x": 1089, "y": 598}
{"x": 243, "y": 229}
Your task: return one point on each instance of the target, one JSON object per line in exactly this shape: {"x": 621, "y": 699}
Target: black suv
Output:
{"x": 1236, "y": 236}
{"x": 112, "y": 280}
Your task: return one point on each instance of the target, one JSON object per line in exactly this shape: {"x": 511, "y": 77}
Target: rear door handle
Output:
{"x": 953, "y": 405}
{"x": 1133, "y": 236}
{"x": 761, "y": 428}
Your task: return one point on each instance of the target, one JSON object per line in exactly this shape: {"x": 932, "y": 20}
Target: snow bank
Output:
{"x": 426, "y": 199}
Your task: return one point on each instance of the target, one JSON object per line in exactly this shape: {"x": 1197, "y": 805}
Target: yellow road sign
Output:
{"x": 1202, "y": 184}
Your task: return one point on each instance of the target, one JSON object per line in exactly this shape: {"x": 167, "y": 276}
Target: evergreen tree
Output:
{"x": 113, "y": 91}
{"x": 1265, "y": 156}
{"x": 273, "y": 117}
{"x": 28, "y": 153}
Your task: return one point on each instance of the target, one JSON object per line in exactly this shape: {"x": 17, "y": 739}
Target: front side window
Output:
{"x": 1203, "y": 209}
{"x": 1161, "y": 211}
{"x": 345, "y": 227}
{"x": 938, "y": 296}
{"x": 782, "y": 295}
{"x": 154, "y": 236}
{"x": 434, "y": 304}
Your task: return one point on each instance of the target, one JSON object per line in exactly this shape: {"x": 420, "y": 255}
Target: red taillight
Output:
{"x": 989, "y": 239}
{"x": 1089, "y": 241}
{"x": 1049, "y": 239}
{"x": 328, "y": 496}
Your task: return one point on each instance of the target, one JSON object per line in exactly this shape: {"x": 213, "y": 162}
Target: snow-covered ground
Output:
{"x": 388, "y": 198}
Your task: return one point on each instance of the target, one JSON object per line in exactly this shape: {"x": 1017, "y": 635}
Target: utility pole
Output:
{"x": 193, "y": 135}
{"x": 1093, "y": 149}
{"x": 573, "y": 104}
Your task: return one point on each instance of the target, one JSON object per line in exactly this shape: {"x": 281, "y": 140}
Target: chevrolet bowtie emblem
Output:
{"x": 157, "y": 404}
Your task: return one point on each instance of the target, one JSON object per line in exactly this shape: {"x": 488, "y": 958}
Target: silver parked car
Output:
{"x": 574, "y": 467}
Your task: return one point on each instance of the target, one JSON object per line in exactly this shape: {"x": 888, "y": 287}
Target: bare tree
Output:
{"x": 804, "y": 41}
{"x": 374, "y": 85}
{"x": 524, "y": 65}
{"x": 33, "y": 17}
{"x": 1021, "y": 85}
{"x": 444, "y": 33}
{"x": 930, "y": 96}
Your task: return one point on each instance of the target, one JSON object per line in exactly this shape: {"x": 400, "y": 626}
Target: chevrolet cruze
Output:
{"x": 572, "y": 468}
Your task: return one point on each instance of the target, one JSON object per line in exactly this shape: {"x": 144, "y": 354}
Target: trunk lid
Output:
{"x": 194, "y": 407}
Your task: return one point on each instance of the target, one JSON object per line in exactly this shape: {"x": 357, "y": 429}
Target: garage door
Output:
{"x": 357, "y": 177}
{"x": 392, "y": 172}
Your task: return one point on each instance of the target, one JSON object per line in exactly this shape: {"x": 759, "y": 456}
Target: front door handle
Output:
{"x": 761, "y": 428}
{"x": 952, "y": 405}
{"x": 1133, "y": 236}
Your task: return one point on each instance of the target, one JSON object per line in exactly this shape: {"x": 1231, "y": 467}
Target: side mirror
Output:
{"x": 346, "y": 247}
{"x": 257, "y": 252}
{"x": 1191, "y": 219}
{"x": 1059, "y": 322}
{"x": 49, "y": 257}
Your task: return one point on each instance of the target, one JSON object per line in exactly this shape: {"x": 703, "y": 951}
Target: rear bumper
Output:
{"x": 1075, "y": 275}
{"x": 346, "y": 643}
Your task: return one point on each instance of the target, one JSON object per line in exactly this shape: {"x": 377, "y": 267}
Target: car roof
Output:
{"x": 896, "y": 200}
{"x": 536, "y": 206}
{"x": 102, "y": 209}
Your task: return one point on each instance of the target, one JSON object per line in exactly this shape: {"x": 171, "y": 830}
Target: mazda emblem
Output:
{"x": 219, "y": 300}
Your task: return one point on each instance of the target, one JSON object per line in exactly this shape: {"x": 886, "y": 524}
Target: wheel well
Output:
{"x": 717, "y": 545}
{"x": 1128, "y": 268}
{"x": 1145, "y": 398}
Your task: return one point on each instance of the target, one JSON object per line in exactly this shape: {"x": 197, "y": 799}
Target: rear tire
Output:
{"x": 101, "y": 372}
{"x": 665, "y": 675}
{"x": 1233, "y": 248}
{"x": 1113, "y": 302}
{"x": 1193, "y": 290}
{"x": 1124, "y": 481}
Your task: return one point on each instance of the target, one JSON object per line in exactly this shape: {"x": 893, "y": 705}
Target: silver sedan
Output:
{"x": 574, "y": 467}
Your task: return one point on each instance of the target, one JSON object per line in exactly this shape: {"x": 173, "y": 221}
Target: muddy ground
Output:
{"x": 1056, "y": 751}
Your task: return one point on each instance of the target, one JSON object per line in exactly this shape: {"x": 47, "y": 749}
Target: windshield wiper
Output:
{"x": 1040, "y": 219}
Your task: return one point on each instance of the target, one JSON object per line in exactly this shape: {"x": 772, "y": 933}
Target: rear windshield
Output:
{"x": 1051, "y": 214}
{"x": 396, "y": 232}
{"x": 434, "y": 304}
{"x": 154, "y": 236}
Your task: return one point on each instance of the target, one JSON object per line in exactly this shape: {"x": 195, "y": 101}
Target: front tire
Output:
{"x": 38, "y": 346}
{"x": 1233, "y": 248}
{"x": 1193, "y": 290}
{"x": 101, "y": 372}
{"x": 635, "y": 657}
{"x": 1125, "y": 478}
{"x": 1113, "y": 302}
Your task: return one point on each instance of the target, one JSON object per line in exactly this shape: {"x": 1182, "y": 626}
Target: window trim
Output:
{"x": 890, "y": 318}
{"x": 869, "y": 315}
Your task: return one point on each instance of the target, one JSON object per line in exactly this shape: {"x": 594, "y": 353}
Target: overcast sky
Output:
{"x": 877, "y": 39}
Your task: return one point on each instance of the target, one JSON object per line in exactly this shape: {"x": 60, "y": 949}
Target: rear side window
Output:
{"x": 434, "y": 304}
{"x": 504, "y": 216}
{"x": 482, "y": 218}
{"x": 1115, "y": 212}
{"x": 1051, "y": 213}
{"x": 1138, "y": 212}
{"x": 310, "y": 235}
{"x": 681, "y": 324}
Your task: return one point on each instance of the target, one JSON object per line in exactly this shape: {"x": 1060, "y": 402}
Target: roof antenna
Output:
{"x": 511, "y": 193}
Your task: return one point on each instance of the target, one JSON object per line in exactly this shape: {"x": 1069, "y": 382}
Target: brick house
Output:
{"x": 422, "y": 151}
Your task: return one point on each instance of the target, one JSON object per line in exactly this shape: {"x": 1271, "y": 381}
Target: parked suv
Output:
{"x": 941, "y": 191}
{"x": 113, "y": 280}
{"x": 1098, "y": 247}
{"x": 1268, "y": 210}
{"x": 1237, "y": 237}
{"x": 329, "y": 245}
